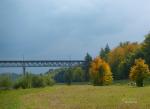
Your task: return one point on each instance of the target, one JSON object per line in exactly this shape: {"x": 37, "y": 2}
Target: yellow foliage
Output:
{"x": 139, "y": 70}
{"x": 100, "y": 72}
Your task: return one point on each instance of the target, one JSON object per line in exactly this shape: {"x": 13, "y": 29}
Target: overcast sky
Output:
{"x": 63, "y": 29}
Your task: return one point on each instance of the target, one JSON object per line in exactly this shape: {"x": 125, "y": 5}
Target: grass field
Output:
{"x": 116, "y": 96}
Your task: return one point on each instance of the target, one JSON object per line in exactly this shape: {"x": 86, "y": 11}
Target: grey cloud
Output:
{"x": 51, "y": 29}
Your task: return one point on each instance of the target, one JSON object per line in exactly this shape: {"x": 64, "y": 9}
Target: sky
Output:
{"x": 64, "y": 29}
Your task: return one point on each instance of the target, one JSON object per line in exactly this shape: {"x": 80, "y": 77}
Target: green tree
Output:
{"x": 86, "y": 67}
{"x": 139, "y": 72}
{"x": 68, "y": 76}
{"x": 107, "y": 49}
{"x": 78, "y": 74}
{"x": 146, "y": 48}
{"x": 59, "y": 75}
{"x": 104, "y": 52}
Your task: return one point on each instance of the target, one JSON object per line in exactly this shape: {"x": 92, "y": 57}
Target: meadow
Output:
{"x": 116, "y": 96}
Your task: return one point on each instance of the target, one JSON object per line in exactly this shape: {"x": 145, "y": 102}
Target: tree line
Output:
{"x": 110, "y": 65}
{"x": 127, "y": 61}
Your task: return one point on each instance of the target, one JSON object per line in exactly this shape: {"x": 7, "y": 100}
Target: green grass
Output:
{"x": 117, "y": 96}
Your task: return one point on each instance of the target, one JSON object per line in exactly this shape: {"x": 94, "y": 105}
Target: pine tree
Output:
{"x": 107, "y": 49}
{"x": 104, "y": 52}
{"x": 146, "y": 48}
{"x": 86, "y": 68}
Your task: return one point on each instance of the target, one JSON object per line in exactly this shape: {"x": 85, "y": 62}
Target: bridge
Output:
{"x": 41, "y": 63}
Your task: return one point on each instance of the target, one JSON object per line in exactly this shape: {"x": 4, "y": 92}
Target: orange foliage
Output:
{"x": 100, "y": 72}
{"x": 119, "y": 53}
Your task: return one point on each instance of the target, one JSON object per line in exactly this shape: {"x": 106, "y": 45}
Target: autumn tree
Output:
{"x": 139, "y": 72}
{"x": 122, "y": 58}
{"x": 100, "y": 72}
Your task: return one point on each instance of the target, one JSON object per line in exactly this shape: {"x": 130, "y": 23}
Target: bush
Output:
{"x": 35, "y": 81}
{"x": 5, "y": 82}
{"x": 24, "y": 82}
{"x": 38, "y": 81}
{"x": 48, "y": 80}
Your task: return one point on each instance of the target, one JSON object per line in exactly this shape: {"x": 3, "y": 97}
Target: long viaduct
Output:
{"x": 40, "y": 63}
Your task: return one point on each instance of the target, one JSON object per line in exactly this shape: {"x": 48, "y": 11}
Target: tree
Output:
{"x": 86, "y": 67}
{"x": 100, "y": 72}
{"x": 78, "y": 74}
{"x": 65, "y": 75}
{"x": 104, "y": 52}
{"x": 59, "y": 75}
{"x": 68, "y": 76}
{"x": 122, "y": 58}
{"x": 107, "y": 49}
{"x": 139, "y": 72}
{"x": 146, "y": 48}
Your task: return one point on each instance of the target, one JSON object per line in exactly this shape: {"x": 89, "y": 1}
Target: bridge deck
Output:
{"x": 41, "y": 63}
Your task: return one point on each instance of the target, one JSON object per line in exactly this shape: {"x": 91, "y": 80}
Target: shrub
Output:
{"x": 24, "y": 82}
{"x": 29, "y": 82}
{"x": 5, "y": 82}
{"x": 35, "y": 81}
{"x": 38, "y": 81}
{"x": 48, "y": 80}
